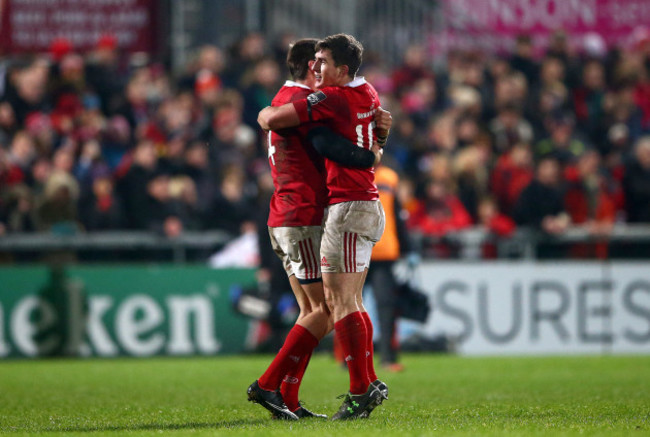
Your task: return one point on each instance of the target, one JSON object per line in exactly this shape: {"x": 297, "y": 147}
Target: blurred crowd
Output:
{"x": 105, "y": 140}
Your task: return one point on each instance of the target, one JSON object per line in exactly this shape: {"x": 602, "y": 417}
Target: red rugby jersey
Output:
{"x": 348, "y": 110}
{"x": 298, "y": 171}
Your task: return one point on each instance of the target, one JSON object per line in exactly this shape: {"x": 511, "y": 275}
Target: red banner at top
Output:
{"x": 32, "y": 25}
{"x": 493, "y": 24}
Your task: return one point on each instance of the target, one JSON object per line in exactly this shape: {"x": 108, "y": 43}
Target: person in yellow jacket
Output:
{"x": 393, "y": 243}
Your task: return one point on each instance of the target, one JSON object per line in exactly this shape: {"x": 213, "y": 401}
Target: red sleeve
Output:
{"x": 302, "y": 110}
{"x": 323, "y": 104}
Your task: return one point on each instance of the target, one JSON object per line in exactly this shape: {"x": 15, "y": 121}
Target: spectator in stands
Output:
{"x": 8, "y": 122}
{"x": 413, "y": 68}
{"x": 19, "y": 159}
{"x": 134, "y": 106}
{"x": 56, "y": 211}
{"x": 103, "y": 74}
{"x": 472, "y": 177}
{"x": 552, "y": 99}
{"x": 132, "y": 186}
{"x": 207, "y": 87}
{"x": 441, "y": 134}
{"x": 99, "y": 208}
{"x": 468, "y": 131}
{"x": 438, "y": 214}
{"x": 562, "y": 143}
{"x": 636, "y": 183}
{"x": 405, "y": 143}
{"x": 621, "y": 108}
{"x": 160, "y": 214}
{"x": 509, "y": 90}
{"x": 204, "y": 71}
{"x": 182, "y": 192}
{"x": 196, "y": 165}
{"x": 115, "y": 140}
{"x": 419, "y": 100}
{"x": 258, "y": 92}
{"x": 510, "y": 128}
{"x": 494, "y": 222}
{"x": 40, "y": 172}
{"x": 541, "y": 204}
{"x": 17, "y": 213}
{"x": 589, "y": 203}
{"x": 27, "y": 89}
{"x": 512, "y": 173}
{"x": 523, "y": 60}
{"x": 551, "y": 73}
{"x": 588, "y": 99}
{"x": 231, "y": 210}
{"x": 89, "y": 161}
{"x": 243, "y": 56}
{"x": 233, "y": 141}
{"x": 558, "y": 48}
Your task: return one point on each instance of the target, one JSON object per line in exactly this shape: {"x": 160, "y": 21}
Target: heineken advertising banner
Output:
{"x": 112, "y": 311}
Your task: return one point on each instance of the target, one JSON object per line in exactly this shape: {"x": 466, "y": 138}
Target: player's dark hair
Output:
{"x": 300, "y": 53}
{"x": 345, "y": 49}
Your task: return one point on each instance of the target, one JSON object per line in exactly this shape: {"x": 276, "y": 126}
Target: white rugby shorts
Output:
{"x": 351, "y": 231}
{"x": 299, "y": 249}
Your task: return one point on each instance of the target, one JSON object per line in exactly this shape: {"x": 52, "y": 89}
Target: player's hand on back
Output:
{"x": 262, "y": 120}
{"x": 378, "y": 150}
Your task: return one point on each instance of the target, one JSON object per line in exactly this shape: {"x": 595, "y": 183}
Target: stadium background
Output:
{"x": 133, "y": 175}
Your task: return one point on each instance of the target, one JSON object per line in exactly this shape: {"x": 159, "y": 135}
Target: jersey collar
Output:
{"x": 357, "y": 81}
{"x": 299, "y": 85}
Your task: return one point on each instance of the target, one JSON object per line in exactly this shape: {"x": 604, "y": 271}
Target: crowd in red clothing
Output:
{"x": 105, "y": 140}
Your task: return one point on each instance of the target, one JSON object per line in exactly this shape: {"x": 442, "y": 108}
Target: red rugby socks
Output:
{"x": 370, "y": 350}
{"x": 299, "y": 344}
{"x": 291, "y": 383}
{"x": 351, "y": 332}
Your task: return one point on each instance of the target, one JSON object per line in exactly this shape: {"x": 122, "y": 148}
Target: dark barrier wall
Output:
{"x": 112, "y": 311}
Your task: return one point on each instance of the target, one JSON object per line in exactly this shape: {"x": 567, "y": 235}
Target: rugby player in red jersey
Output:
{"x": 355, "y": 221}
{"x": 295, "y": 227}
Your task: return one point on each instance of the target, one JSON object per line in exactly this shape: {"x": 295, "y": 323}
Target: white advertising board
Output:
{"x": 495, "y": 308}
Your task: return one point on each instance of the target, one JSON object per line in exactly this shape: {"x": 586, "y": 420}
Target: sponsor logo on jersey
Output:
{"x": 291, "y": 379}
{"x": 324, "y": 263}
{"x": 316, "y": 97}
{"x": 370, "y": 113}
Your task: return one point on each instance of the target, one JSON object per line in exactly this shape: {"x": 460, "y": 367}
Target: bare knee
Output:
{"x": 341, "y": 304}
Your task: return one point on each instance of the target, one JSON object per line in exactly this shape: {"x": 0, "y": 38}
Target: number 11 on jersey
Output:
{"x": 359, "y": 130}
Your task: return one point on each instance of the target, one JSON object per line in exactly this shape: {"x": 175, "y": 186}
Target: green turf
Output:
{"x": 436, "y": 395}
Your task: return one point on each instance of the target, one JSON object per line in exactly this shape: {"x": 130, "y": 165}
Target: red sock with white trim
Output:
{"x": 291, "y": 383}
{"x": 299, "y": 343}
{"x": 370, "y": 348}
{"x": 351, "y": 332}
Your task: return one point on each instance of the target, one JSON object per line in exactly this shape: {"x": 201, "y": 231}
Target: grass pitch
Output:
{"x": 436, "y": 395}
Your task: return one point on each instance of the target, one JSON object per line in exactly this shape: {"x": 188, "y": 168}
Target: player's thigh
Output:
{"x": 315, "y": 293}
{"x": 298, "y": 247}
{"x": 351, "y": 230}
{"x": 301, "y": 295}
